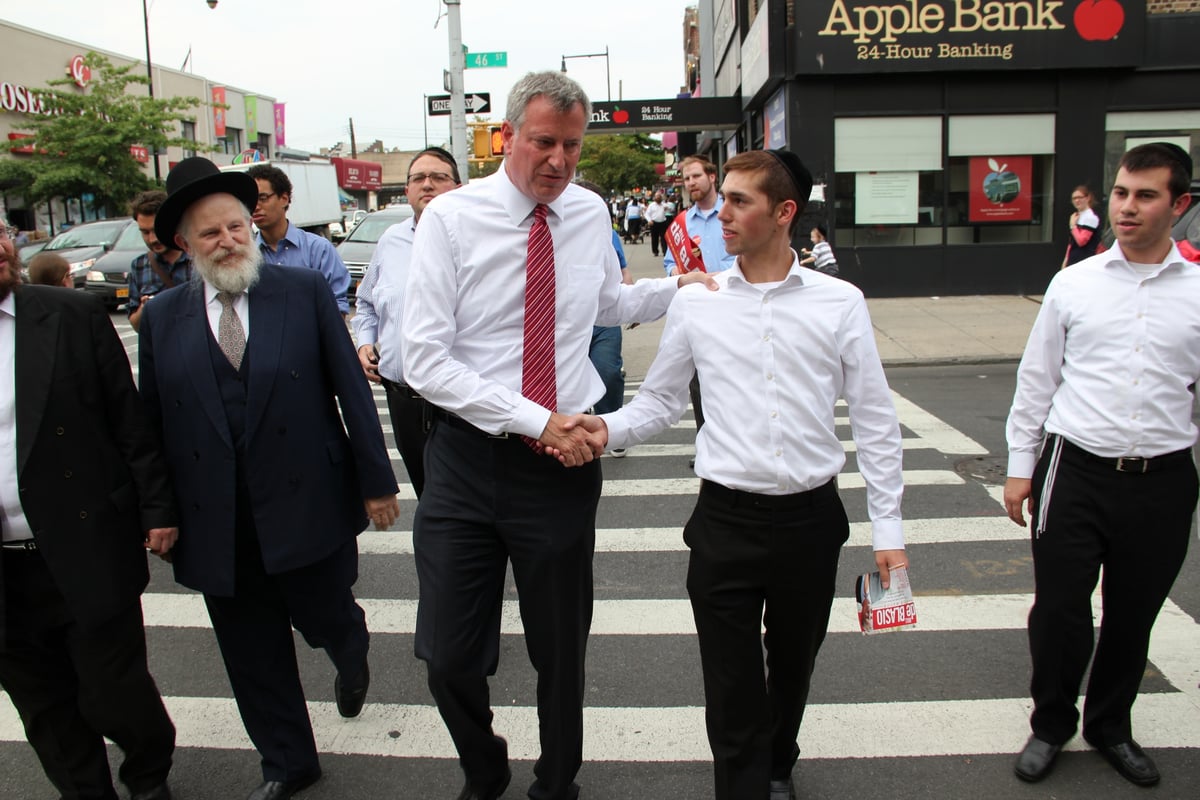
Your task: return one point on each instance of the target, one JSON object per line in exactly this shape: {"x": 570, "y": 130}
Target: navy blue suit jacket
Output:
{"x": 306, "y": 478}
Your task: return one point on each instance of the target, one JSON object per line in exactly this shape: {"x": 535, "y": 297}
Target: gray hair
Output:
{"x": 562, "y": 93}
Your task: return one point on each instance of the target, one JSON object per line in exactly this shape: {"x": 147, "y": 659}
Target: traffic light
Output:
{"x": 496, "y": 142}
{"x": 479, "y": 143}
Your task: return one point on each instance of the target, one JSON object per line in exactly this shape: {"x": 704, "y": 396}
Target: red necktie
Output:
{"x": 538, "y": 381}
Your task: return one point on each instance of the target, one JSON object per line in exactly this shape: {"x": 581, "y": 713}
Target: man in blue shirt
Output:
{"x": 284, "y": 244}
{"x": 158, "y": 269}
{"x": 700, "y": 180}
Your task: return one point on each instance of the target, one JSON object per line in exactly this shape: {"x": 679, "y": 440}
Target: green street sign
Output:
{"x": 482, "y": 60}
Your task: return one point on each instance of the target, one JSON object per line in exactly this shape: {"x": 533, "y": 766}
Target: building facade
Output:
{"x": 29, "y": 59}
{"x": 947, "y": 135}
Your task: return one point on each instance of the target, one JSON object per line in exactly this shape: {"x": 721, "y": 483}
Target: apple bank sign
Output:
{"x": 676, "y": 114}
{"x": 839, "y": 36}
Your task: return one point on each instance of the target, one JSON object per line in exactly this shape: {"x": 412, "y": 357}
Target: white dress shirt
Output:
{"x": 786, "y": 353}
{"x": 379, "y": 304}
{"x": 12, "y": 516}
{"x": 241, "y": 306}
{"x": 464, "y": 304}
{"x": 1109, "y": 361}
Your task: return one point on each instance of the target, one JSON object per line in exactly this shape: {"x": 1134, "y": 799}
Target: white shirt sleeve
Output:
{"x": 1038, "y": 379}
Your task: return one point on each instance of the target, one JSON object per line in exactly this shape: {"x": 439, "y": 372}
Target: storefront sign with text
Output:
{"x": 839, "y": 36}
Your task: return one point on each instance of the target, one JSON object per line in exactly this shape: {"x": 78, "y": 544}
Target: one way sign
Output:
{"x": 476, "y": 102}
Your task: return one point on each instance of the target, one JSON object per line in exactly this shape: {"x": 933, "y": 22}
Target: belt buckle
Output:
{"x": 1133, "y": 464}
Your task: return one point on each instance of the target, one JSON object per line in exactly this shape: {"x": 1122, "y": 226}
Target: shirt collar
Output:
{"x": 1116, "y": 258}
{"x": 291, "y": 236}
{"x": 695, "y": 211}
{"x": 795, "y": 272}
{"x": 517, "y": 204}
{"x": 211, "y": 292}
{"x": 9, "y": 304}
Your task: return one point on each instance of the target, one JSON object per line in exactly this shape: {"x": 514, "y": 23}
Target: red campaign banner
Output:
{"x": 218, "y": 98}
{"x": 280, "y": 125}
{"x": 1001, "y": 189}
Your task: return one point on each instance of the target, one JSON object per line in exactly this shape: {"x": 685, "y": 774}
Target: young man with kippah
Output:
{"x": 768, "y": 526}
{"x": 1102, "y": 420}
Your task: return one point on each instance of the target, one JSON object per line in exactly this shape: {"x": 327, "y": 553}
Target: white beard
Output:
{"x": 234, "y": 271}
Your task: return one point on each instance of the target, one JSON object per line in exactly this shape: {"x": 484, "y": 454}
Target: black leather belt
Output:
{"x": 402, "y": 388}
{"x": 737, "y": 497}
{"x": 1136, "y": 464}
{"x": 21, "y": 545}
{"x": 458, "y": 422}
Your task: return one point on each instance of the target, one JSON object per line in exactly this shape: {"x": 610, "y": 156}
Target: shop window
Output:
{"x": 231, "y": 143}
{"x": 264, "y": 145}
{"x": 1125, "y": 130}
{"x": 1000, "y": 200}
{"x": 187, "y": 130}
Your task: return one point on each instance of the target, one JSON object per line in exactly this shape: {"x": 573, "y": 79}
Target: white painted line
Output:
{"x": 932, "y": 430}
{"x": 670, "y": 539}
{"x": 674, "y": 734}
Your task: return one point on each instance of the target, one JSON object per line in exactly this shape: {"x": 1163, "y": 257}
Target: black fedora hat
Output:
{"x": 192, "y": 179}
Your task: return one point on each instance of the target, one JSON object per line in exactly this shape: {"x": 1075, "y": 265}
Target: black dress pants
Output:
{"x": 658, "y": 234}
{"x": 254, "y": 632}
{"x": 489, "y": 501}
{"x": 73, "y": 686}
{"x": 1136, "y": 526}
{"x": 410, "y": 415}
{"x": 751, "y": 551}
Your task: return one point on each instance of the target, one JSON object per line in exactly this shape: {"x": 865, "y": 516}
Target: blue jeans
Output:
{"x": 605, "y": 354}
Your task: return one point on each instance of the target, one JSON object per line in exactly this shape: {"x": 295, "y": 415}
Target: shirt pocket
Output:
{"x": 582, "y": 292}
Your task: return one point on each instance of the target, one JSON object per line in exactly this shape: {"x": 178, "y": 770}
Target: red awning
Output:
{"x": 355, "y": 174}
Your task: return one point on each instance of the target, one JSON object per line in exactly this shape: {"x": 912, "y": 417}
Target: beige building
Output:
{"x": 29, "y": 58}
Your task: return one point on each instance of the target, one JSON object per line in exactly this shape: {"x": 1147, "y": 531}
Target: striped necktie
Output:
{"x": 538, "y": 380}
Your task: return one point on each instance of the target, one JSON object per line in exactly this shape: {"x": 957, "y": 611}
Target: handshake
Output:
{"x": 574, "y": 440}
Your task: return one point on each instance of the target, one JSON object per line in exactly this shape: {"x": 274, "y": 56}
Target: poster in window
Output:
{"x": 885, "y": 198}
{"x": 1001, "y": 189}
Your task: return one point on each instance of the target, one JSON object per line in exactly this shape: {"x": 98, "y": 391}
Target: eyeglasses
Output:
{"x": 262, "y": 198}
{"x": 7, "y": 232}
{"x": 1078, "y": 197}
{"x": 436, "y": 177}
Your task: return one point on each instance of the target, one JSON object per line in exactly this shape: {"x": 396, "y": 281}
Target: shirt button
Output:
{"x": 767, "y": 338}
{"x": 778, "y": 452}
{"x": 774, "y": 414}
{"x": 770, "y": 376}
{"x": 59, "y": 431}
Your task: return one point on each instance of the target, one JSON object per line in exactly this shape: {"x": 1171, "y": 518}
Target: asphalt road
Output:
{"x": 935, "y": 712}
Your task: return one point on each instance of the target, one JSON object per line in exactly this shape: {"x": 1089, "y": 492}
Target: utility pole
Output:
{"x": 458, "y": 109}
{"x": 353, "y": 145}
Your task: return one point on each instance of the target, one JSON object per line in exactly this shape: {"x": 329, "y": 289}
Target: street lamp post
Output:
{"x": 607, "y": 72}
{"x": 150, "y": 72}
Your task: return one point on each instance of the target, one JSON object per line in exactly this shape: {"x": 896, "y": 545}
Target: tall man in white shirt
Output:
{"x": 509, "y": 274}
{"x": 1105, "y": 392}
{"x": 768, "y": 525}
{"x": 380, "y": 304}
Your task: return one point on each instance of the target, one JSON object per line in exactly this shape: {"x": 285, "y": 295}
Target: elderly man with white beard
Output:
{"x": 243, "y": 370}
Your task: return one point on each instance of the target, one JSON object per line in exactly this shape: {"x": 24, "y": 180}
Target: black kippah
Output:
{"x": 1180, "y": 154}
{"x": 801, "y": 177}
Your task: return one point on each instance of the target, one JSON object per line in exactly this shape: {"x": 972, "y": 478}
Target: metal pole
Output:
{"x": 425, "y": 118}
{"x": 458, "y": 110}
{"x": 150, "y": 76}
{"x": 607, "y": 74}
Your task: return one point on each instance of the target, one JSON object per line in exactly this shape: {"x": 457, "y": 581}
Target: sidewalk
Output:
{"x": 908, "y": 330}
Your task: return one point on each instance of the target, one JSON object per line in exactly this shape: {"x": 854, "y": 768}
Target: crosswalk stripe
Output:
{"x": 670, "y": 539}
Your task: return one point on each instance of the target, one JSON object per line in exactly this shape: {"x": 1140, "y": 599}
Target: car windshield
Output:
{"x": 131, "y": 239}
{"x": 92, "y": 235}
{"x": 373, "y": 226}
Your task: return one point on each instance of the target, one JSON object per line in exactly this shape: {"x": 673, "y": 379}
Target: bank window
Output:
{"x": 888, "y": 182}
{"x": 231, "y": 143}
{"x": 1127, "y": 129}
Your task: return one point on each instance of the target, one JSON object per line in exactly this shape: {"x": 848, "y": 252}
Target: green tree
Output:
{"x": 83, "y": 146}
{"x": 619, "y": 162}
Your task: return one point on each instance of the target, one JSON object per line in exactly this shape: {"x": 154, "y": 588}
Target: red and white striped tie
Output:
{"x": 538, "y": 380}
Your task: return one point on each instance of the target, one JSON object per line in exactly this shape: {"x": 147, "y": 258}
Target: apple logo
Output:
{"x": 1000, "y": 185}
{"x": 1099, "y": 20}
{"x": 620, "y": 116}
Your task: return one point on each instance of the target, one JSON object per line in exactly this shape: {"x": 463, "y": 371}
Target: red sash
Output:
{"x": 681, "y": 245}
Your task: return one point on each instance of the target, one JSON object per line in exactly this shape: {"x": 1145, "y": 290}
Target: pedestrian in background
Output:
{"x": 656, "y": 216}
{"x": 820, "y": 257}
{"x": 163, "y": 266}
{"x": 633, "y": 220}
{"x": 83, "y": 497}
{"x": 1084, "y": 227}
{"x": 50, "y": 269}
{"x": 1100, "y": 440}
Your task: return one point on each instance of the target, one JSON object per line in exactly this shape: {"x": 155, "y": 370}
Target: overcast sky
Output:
{"x": 374, "y": 60}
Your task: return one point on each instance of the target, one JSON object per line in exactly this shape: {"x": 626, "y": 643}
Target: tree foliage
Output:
{"x": 83, "y": 146}
{"x": 620, "y": 162}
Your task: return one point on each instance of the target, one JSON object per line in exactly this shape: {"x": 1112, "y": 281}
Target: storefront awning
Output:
{"x": 359, "y": 175}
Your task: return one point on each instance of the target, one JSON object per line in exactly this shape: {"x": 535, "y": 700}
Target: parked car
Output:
{"x": 108, "y": 278}
{"x": 359, "y": 246}
{"x": 32, "y": 249}
{"x": 83, "y": 244}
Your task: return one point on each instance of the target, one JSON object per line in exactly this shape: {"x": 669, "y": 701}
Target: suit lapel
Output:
{"x": 268, "y": 310}
{"x": 191, "y": 334}
{"x": 36, "y": 345}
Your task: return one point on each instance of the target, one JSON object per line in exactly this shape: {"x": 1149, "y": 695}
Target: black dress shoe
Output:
{"x": 160, "y": 792}
{"x": 783, "y": 790}
{"x": 282, "y": 790}
{"x": 350, "y": 699}
{"x": 1131, "y": 761}
{"x": 1036, "y": 759}
{"x": 491, "y": 792}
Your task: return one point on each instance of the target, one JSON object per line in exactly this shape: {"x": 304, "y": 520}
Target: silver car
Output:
{"x": 357, "y": 248}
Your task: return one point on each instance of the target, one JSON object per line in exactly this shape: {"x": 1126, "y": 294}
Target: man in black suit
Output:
{"x": 83, "y": 496}
{"x": 243, "y": 370}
